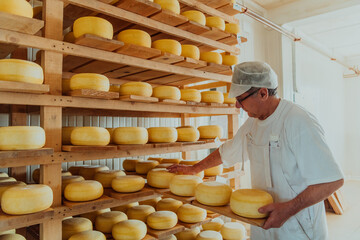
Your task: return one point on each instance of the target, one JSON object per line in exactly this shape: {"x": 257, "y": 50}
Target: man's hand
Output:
{"x": 279, "y": 213}
{"x": 182, "y": 169}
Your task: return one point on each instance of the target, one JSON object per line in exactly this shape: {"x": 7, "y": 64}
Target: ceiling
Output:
{"x": 269, "y": 4}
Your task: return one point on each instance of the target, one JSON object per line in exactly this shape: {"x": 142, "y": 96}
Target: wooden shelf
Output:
{"x": 194, "y": 225}
{"x": 142, "y": 195}
{"x": 26, "y": 153}
{"x": 165, "y": 233}
{"x": 134, "y": 98}
{"x": 8, "y": 86}
{"x": 169, "y": 194}
{"x": 25, "y": 157}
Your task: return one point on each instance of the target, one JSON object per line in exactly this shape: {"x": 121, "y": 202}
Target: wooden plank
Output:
{"x": 20, "y": 24}
{"x": 191, "y": 63}
{"x": 169, "y": 194}
{"x": 194, "y": 225}
{"x": 168, "y": 58}
{"x": 139, "y": 51}
{"x": 125, "y": 71}
{"x": 165, "y": 233}
{"x": 196, "y": 103}
{"x": 8, "y": 86}
{"x": 91, "y": 93}
{"x": 72, "y": 62}
{"x": 172, "y": 101}
{"x": 116, "y": 113}
{"x": 214, "y": 67}
{"x": 161, "y": 35}
{"x": 136, "y": 196}
{"x": 207, "y": 86}
{"x": 26, "y": 153}
{"x": 169, "y": 18}
{"x": 187, "y": 81}
{"x": 135, "y": 146}
{"x": 167, "y": 79}
{"x": 215, "y": 34}
{"x": 335, "y": 205}
{"x": 340, "y": 199}
{"x": 134, "y": 98}
{"x": 228, "y": 9}
{"x": 143, "y": 76}
{"x": 215, "y": 3}
{"x": 217, "y": 105}
{"x": 93, "y": 41}
{"x": 71, "y": 204}
{"x": 157, "y": 190}
{"x": 98, "y": 67}
{"x": 194, "y": 27}
{"x": 6, "y": 49}
{"x": 141, "y": 7}
{"x": 71, "y": 148}
{"x": 118, "y": 24}
{"x": 229, "y": 40}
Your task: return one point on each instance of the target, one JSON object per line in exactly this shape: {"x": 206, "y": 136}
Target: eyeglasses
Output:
{"x": 241, "y": 100}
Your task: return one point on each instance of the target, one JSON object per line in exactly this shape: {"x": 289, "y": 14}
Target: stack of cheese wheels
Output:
{"x": 129, "y": 230}
{"x": 128, "y": 184}
{"x": 16, "y": 70}
{"x": 111, "y": 132}
{"x": 192, "y": 163}
{"x": 166, "y": 92}
{"x": 188, "y": 234}
{"x": 190, "y": 51}
{"x": 214, "y": 171}
{"x": 90, "y": 136}
{"x": 93, "y": 235}
{"x": 212, "y": 97}
{"x": 246, "y": 202}
{"x": 129, "y": 164}
{"x": 124, "y": 208}
{"x": 83, "y": 191}
{"x": 232, "y": 28}
{"x": 105, "y": 221}
{"x": 171, "y": 5}
{"x": 140, "y": 212}
{"x": 26, "y": 199}
{"x": 214, "y": 225}
{"x": 6, "y": 185}
{"x": 7, "y": 179}
{"x": 144, "y": 167}
{"x": 75, "y": 170}
{"x": 17, "y": 7}
{"x": 136, "y": 37}
{"x": 184, "y": 185}
{"x": 213, "y": 193}
{"x": 11, "y": 236}
{"x": 191, "y": 214}
{"x": 65, "y": 180}
{"x": 162, "y": 134}
{"x": 159, "y": 160}
{"x": 210, "y": 131}
{"x": 171, "y": 160}
{"x": 233, "y": 230}
{"x": 89, "y": 81}
{"x": 211, "y": 57}
{"x": 105, "y": 177}
{"x": 21, "y": 138}
{"x": 69, "y": 37}
{"x": 136, "y": 88}
{"x": 168, "y": 204}
{"x": 195, "y": 16}
{"x": 130, "y": 135}
{"x": 93, "y": 25}
{"x": 88, "y": 172}
{"x": 92, "y": 215}
{"x": 229, "y": 100}
{"x": 72, "y": 226}
{"x": 151, "y": 202}
{"x": 187, "y": 134}
{"x": 162, "y": 220}
{"x": 209, "y": 235}
{"x": 159, "y": 178}
{"x": 168, "y": 46}
{"x": 215, "y": 22}
{"x": 192, "y": 95}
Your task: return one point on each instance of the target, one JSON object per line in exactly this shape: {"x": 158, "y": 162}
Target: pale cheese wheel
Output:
{"x": 168, "y": 204}
{"x": 130, "y": 135}
{"x": 88, "y": 235}
{"x": 232, "y": 28}
{"x": 136, "y": 37}
{"x": 129, "y": 230}
{"x": 144, "y": 167}
{"x": 83, "y": 191}
{"x": 209, "y": 235}
{"x": 7, "y": 179}
{"x": 215, "y": 22}
{"x": 212, "y": 97}
{"x": 26, "y": 199}
{"x": 156, "y": 159}
{"x": 140, "y": 212}
{"x": 151, "y": 202}
{"x": 11, "y": 231}
{"x": 93, "y": 25}
{"x": 166, "y": 92}
{"x": 246, "y": 202}
{"x": 162, "y": 134}
{"x": 65, "y": 180}
{"x": 93, "y": 81}
{"x": 21, "y": 138}
{"x": 233, "y": 231}
{"x": 171, "y": 237}
{"x": 195, "y": 16}
{"x": 210, "y": 131}
{"x": 214, "y": 171}
{"x": 6, "y": 185}
{"x": 69, "y": 37}
{"x": 190, "y": 51}
{"x": 65, "y": 173}
{"x": 92, "y": 215}
{"x": 3, "y": 174}
{"x": 229, "y": 60}
{"x": 128, "y": 184}
{"x": 124, "y": 208}
{"x": 75, "y": 170}
{"x": 164, "y": 165}
{"x": 171, "y": 160}
{"x": 16, "y": 70}
{"x": 88, "y": 172}
{"x": 12, "y": 237}
{"x": 159, "y": 178}
{"x": 105, "y": 177}
{"x": 171, "y": 5}
{"x": 17, "y": 7}
{"x": 187, "y": 134}
{"x": 130, "y": 164}
{"x": 162, "y": 220}
{"x": 104, "y": 222}
{"x": 213, "y": 193}
{"x": 184, "y": 185}
{"x": 211, "y": 57}
{"x": 136, "y": 88}
{"x": 168, "y": 45}
{"x": 192, "y": 95}
{"x": 214, "y": 225}
{"x": 229, "y": 100}
{"x": 72, "y": 226}
{"x": 188, "y": 234}
{"x": 90, "y": 136}
{"x": 191, "y": 214}
{"x": 111, "y": 132}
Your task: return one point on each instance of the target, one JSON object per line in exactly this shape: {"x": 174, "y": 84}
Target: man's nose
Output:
{"x": 237, "y": 104}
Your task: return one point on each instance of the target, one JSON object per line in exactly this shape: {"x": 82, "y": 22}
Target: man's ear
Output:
{"x": 264, "y": 93}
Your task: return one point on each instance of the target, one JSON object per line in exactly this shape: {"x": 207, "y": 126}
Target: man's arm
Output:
{"x": 280, "y": 212}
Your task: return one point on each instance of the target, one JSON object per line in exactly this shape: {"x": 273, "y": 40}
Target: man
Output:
{"x": 288, "y": 155}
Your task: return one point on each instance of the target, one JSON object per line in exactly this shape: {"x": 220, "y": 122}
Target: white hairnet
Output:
{"x": 252, "y": 74}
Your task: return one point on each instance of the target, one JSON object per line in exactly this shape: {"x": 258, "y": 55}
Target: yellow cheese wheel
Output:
{"x": 184, "y": 185}
{"x": 159, "y": 178}
{"x": 140, "y": 212}
{"x": 214, "y": 225}
{"x": 233, "y": 231}
{"x": 156, "y": 159}
{"x": 65, "y": 84}
{"x": 229, "y": 100}
{"x": 212, "y": 97}
{"x": 124, "y": 208}
{"x": 7, "y": 179}
{"x": 17, "y": 7}
{"x": 90, "y": 136}
{"x": 211, "y": 57}
{"x": 88, "y": 172}
{"x": 168, "y": 45}
{"x": 168, "y": 204}
{"x": 171, "y": 5}
{"x": 66, "y": 135}
{"x": 135, "y": 36}
{"x": 89, "y": 81}
{"x": 130, "y": 135}
{"x": 69, "y": 37}
{"x": 162, "y": 134}
{"x": 191, "y": 214}
{"x": 232, "y": 28}
{"x": 65, "y": 173}
{"x": 6, "y": 185}
{"x": 164, "y": 165}
{"x": 16, "y": 70}
{"x": 195, "y": 16}
{"x": 193, "y": 95}
{"x": 72, "y": 226}
{"x": 188, "y": 234}
{"x": 171, "y": 160}
{"x": 151, "y": 202}
{"x": 128, "y": 184}
{"x": 209, "y": 235}
{"x": 65, "y": 180}
{"x": 130, "y": 164}
{"x": 213, "y": 193}
{"x": 210, "y": 131}
{"x": 114, "y": 88}
{"x": 190, "y": 51}
{"x": 129, "y": 230}
{"x": 144, "y": 167}
{"x": 215, "y": 22}
{"x": 171, "y": 237}
{"x": 246, "y": 202}
{"x": 12, "y": 237}
{"x": 26, "y": 199}
{"x": 21, "y": 138}
{"x": 92, "y": 215}
{"x": 136, "y": 88}
{"x": 83, "y": 191}
{"x": 11, "y": 231}
{"x": 105, "y": 177}
{"x": 166, "y": 92}
{"x": 162, "y": 220}
{"x": 187, "y": 134}
{"x": 93, "y": 25}
{"x": 229, "y": 60}
{"x": 105, "y": 221}
{"x": 75, "y": 170}
{"x": 111, "y": 132}
{"x": 214, "y": 171}
{"x": 88, "y": 235}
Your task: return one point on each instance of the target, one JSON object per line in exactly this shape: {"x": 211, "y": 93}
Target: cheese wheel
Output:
{"x": 90, "y": 136}
{"x": 209, "y": 235}
{"x": 214, "y": 171}
{"x": 26, "y": 199}
{"x": 213, "y": 193}
{"x": 89, "y": 81}
{"x": 7, "y": 179}
{"x": 191, "y": 214}
{"x": 6, "y": 185}
{"x": 129, "y": 230}
{"x": 211, "y": 57}
{"x": 171, "y": 237}
{"x": 111, "y": 132}
{"x": 128, "y": 184}
{"x": 229, "y": 100}
{"x": 65, "y": 173}
{"x": 162, "y": 134}
{"x": 11, "y": 231}
{"x": 105, "y": 177}
{"x": 171, "y": 5}
{"x": 88, "y": 172}
{"x": 151, "y": 202}
{"x": 124, "y": 208}
{"x": 159, "y": 160}
{"x": 168, "y": 204}
{"x": 212, "y": 97}
{"x": 246, "y": 202}
{"x": 159, "y": 178}
{"x": 233, "y": 231}
{"x": 190, "y": 51}
{"x": 114, "y": 88}
{"x": 75, "y": 225}
{"x": 65, "y": 180}
{"x": 229, "y": 60}
{"x": 36, "y": 175}
{"x": 192, "y": 95}
{"x": 16, "y": 70}
{"x": 184, "y": 185}
{"x": 162, "y": 220}
{"x": 130, "y": 135}
{"x": 3, "y": 174}
{"x": 210, "y": 131}
{"x": 168, "y": 45}
{"x": 166, "y": 92}
{"x": 12, "y": 237}
{"x": 93, "y": 25}
{"x": 144, "y": 167}
{"x": 17, "y": 7}
{"x": 136, "y": 37}
{"x": 88, "y": 235}
{"x": 187, "y": 134}
{"x": 188, "y": 234}
{"x": 130, "y": 164}
{"x": 195, "y": 16}
{"x": 136, "y": 88}
{"x": 66, "y": 135}
{"x": 164, "y": 165}
{"x": 75, "y": 170}
{"x": 214, "y": 225}
{"x": 171, "y": 160}
{"x": 92, "y": 215}
{"x": 140, "y": 212}
{"x": 21, "y": 138}
{"x": 105, "y": 221}
{"x": 83, "y": 191}
{"x": 69, "y": 37}
{"x": 232, "y": 28}
{"x": 215, "y": 22}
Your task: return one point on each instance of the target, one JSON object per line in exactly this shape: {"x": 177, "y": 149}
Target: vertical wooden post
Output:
{"x": 185, "y": 121}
